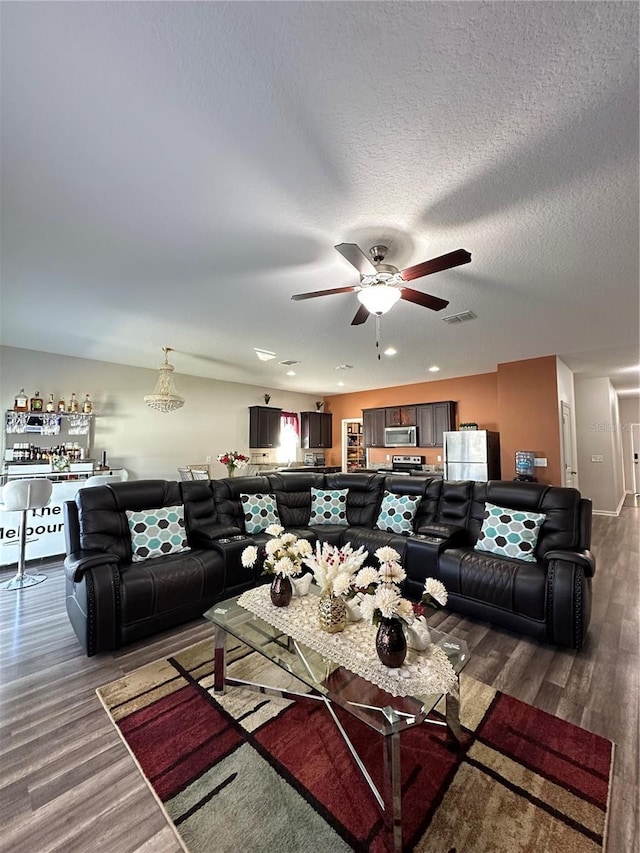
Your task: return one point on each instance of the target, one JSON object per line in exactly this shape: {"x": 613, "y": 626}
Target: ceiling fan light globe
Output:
{"x": 378, "y": 298}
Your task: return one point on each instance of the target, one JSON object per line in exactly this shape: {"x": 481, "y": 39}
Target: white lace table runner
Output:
{"x": 427, "y": 672}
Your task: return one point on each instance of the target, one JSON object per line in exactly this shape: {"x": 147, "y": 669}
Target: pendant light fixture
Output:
{"x": 165, "y": 398}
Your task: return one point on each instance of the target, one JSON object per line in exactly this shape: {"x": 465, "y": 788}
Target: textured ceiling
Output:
{"x": 173, "y": 172}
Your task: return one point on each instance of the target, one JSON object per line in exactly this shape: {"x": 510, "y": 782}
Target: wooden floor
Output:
{"x": 68, "y": 783}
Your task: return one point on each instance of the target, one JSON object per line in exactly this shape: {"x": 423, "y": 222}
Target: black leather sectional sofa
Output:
{"x": 112, "y": 601}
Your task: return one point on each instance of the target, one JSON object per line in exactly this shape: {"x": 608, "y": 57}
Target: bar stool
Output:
{"x": 101, "y": 480}
{"x": 21, "y": 496}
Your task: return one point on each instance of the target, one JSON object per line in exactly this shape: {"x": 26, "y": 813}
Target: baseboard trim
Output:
{"x": 614, "y": 513}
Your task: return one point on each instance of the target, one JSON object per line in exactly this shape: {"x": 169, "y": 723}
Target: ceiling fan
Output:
{"x": 381, "y": 285}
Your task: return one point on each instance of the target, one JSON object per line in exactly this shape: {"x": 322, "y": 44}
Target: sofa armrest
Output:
{"x": 455, "y": 534}
{"x": 93, "y": 599}
{"x": 207, "y": 535}
{"x": 568, "y": 598}
{"x": 80, "y": 562}
{"x": 581, "y": 558}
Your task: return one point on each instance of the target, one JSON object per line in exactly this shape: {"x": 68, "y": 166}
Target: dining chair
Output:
{"x": 199, "y": 474}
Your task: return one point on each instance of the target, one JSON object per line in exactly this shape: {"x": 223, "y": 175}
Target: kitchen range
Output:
{"x": 405, "y": 466}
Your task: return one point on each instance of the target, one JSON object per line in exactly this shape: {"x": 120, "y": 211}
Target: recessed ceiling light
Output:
{"x": 434, "y": 368}
{"x": 264, "y": 354}
{"x": 340, "y": 383}
{"x": 291, "y": 373}
{"x": 391, "y": 351}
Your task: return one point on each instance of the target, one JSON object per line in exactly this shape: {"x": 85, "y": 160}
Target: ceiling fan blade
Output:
{"x": 361, "y": 316}
{"x": 312, "y": 294}
{"x": 444, "y": 262}
{"x": 424, "y": 299}
{"x": 356, "y": 257}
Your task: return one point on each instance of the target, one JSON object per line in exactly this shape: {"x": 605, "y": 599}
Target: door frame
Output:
{"x": 635, "y": 459}
{"x": 568, "y": 460}
{"x": 344, "y": 443}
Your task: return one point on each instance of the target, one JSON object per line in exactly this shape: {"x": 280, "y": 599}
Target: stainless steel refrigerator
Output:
{"x": 472, "y": 455}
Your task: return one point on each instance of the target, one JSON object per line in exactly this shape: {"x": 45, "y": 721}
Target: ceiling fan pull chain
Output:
{"x": 378, "y": 335}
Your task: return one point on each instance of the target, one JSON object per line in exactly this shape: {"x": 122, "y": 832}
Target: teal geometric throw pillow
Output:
{"x": 329, "y": 506}
{"x": 397, "y": 513}
{"x": 510, "y": 532}
{"x": 155, "y": 532}
{"x": 259, "y": 512}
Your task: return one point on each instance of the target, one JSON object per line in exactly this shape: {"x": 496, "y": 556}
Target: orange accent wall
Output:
{"x": 476, "y": 396}
{"x": 520, "y": 401}
{"x": 528, "y": 415}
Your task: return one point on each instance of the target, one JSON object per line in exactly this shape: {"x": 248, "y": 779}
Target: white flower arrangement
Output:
{"x": 333, "y": 568}
{"x": 380, "y": 596}
{"x": 435, "y": 594}
{"x": 60, "y": 463}
{"x": 283, "y": 555}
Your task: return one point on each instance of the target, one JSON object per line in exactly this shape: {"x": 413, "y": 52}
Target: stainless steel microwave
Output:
{"x": 401, "y": 436}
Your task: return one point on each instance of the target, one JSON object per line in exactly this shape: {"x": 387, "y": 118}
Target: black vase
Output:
{"x": 280, "y": 591}
{"x": 391, "y": 643}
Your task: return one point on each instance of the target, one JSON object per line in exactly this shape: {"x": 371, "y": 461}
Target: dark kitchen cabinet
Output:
{"x": 373, "y": 424}
{"x": 316, "y": 429}
{"x": 433, "y": 419}
{"x": 264, "y": 426}
{"x": 400, "y": 416}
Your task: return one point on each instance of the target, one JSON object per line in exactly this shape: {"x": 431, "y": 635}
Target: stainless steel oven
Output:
{"x": 401, "y": 436}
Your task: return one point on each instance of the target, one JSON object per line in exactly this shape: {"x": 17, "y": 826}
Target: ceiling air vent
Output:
{"x": 288, "y": 362}
{"x": 462, "y": 317}
{"x": 344, "y": 367}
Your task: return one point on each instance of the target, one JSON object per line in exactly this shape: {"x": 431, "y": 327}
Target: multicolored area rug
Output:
{"x": 248, "y": 772}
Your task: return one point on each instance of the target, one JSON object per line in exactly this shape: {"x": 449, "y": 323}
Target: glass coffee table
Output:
{"x": 333, "y": 683}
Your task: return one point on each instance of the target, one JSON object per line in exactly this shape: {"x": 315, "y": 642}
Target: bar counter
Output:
{"x": 45, "y": 527}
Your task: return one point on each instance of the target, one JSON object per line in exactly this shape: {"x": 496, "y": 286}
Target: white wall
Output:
{"x": 597, "y": 429}
{"x": 629, "y": 408}
{"x": 566, "y": 394}
{"x": 147, "y": 443}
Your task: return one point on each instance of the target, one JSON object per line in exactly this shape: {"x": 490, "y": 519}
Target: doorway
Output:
{"x": 353, "y": 451}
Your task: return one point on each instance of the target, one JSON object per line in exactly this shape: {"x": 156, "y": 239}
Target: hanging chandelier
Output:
{"x": 165, "y": 398}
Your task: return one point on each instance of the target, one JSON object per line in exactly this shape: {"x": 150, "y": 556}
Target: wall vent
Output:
{"x": 462, "y": 317}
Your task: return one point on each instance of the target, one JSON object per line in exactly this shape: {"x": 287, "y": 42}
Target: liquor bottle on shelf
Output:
{"x": 51, "y": 406}
{"x": 87, "y": 406}
{"x": 36, "y": 403}
{"x": 73, "y": 404}
{"x": 20, "y": 404}
{"x": 62, "y": 406}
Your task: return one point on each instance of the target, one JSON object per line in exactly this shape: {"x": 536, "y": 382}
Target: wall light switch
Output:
{"x": 388, "y": 458}
{"x": 439, "y": 458}
{"x": 208, "y": 459}
{"x": 596, "y": 457}
{"x": 540, "y": 462}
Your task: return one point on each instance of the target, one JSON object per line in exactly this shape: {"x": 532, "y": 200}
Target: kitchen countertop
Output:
{"x": 417, "y": 472}
{"x": 314, "y": 469}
